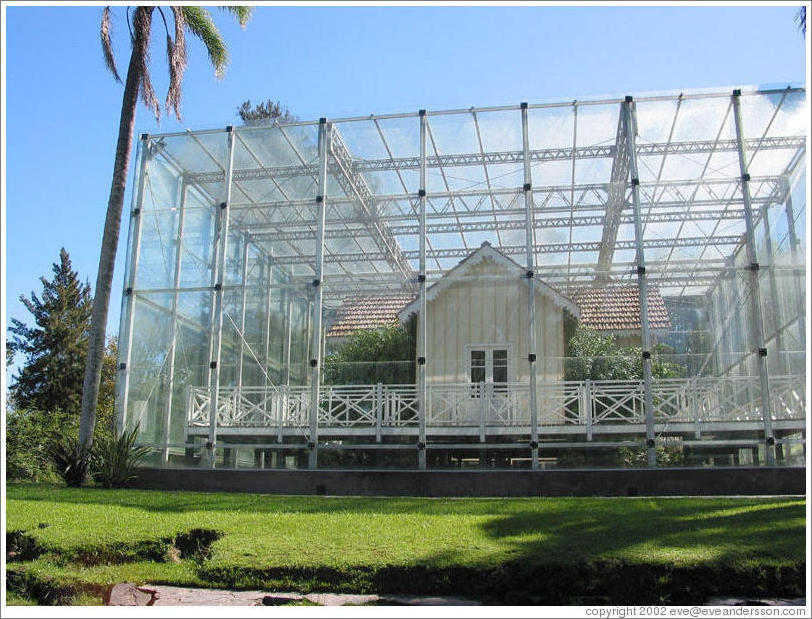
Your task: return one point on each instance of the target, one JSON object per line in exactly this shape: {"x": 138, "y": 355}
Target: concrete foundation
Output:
{"x": 492, "y": 483}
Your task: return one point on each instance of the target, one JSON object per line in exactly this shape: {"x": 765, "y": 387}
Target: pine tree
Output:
{"x": 55, "y": 348}
{"x": 264, "y": 113}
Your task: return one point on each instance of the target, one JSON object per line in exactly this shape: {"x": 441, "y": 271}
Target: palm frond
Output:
{"x": 198, "y": 21}
{"x": 107, "y": 43}
{"x": 143, "y": 25}
{"x": 176, "y": 56}
{"x": 242, "y": 13}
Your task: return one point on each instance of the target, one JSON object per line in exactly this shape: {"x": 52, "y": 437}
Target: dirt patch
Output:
{"x": 21, "y": 547}
{"x": 118, "y": 553}
{"x": 196, "y": 544}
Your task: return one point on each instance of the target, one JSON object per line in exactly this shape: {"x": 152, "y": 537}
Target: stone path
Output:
{"x": 128, "y": 594}
{"x": 733, "y": 601}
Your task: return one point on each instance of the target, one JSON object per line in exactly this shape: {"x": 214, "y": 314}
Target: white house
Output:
{"x": 477, "y": 323}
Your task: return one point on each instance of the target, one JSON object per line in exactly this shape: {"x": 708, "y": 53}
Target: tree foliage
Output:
{"x": 264, "y": 113}
{"x": 55, "y": 346}
{"x": 593, "y": 356}
{"x": 28, "y": 434}
{"x": 45, "y": 394}
{"x": 371, "y": 356}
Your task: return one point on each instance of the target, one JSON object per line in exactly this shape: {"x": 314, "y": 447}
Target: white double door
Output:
{"x": 489, "y": 372}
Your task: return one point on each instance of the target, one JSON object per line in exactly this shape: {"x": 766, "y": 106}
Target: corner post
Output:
{"x": 325, "y": 131}
{"x": 128, "y": 298}
{"x": 421, "y": 317}
{"x": 648, "y": 399}
{"x": 531, "y": 289}
{"x": 218, "y": 277}
{"x": 170, "y": 381}
{"x": 755, "y": 291}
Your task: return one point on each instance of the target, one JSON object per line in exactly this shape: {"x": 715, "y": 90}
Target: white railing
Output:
{"x": 587, "y": 403}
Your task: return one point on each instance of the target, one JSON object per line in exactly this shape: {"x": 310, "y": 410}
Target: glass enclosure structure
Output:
{"x": 615, "y": 282}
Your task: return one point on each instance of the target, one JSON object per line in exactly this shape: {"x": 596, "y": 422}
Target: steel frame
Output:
{"x": 411, "y": 229}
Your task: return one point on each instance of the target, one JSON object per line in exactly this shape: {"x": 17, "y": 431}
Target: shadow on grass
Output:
{"x": 773, "y": 530}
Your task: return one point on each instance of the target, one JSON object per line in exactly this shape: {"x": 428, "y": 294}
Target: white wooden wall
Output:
{"x": 489, "y": 307}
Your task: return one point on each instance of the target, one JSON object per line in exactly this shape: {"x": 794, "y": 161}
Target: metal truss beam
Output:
{"x": 536, "y": 156}
{"x": 353, "y": 183}
{"x": 656, "y": 270}
{"x": 360, "y": 285}
{"x": 516, "y": 250}
{"x": 541, "y": 194}
{"x": 615, "y": 203}
{"x": 352, "y": 229}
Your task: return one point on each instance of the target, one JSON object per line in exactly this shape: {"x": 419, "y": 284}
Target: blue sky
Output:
{"x": 62, "y": 107}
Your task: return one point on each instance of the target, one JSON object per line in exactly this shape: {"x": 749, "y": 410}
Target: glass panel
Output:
{"x": 500, "y": 370}
{"x": 477, "y": 366}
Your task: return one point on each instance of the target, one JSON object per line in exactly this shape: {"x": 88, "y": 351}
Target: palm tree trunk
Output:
{"x": 107, "y": 259}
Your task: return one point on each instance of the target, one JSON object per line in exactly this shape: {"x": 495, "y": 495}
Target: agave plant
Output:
{"x": 113, "y": 461}
{"x": 70, "y": 459}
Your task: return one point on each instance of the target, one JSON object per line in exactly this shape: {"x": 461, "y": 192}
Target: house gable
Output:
{"x": 487, "y": 261}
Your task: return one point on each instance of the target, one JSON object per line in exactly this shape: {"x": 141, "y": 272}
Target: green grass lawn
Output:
{"x": 91, "y": 538}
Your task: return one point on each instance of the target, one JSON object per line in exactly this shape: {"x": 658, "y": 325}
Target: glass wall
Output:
{"x": 469, "y": 288}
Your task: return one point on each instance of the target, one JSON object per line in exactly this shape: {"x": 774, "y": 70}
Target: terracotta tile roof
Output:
{"x": 617, "y": 308}
{"x": 609, "y": 308}
{"x": 367, "y": 313}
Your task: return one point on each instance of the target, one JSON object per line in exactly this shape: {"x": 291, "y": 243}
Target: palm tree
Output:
{"x": 196, "y": 21}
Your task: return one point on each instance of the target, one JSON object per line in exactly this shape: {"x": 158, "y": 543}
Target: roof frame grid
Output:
{"x": 566, "y": 213}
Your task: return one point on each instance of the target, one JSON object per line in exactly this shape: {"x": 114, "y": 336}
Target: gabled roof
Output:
{"x": 487, "y": 252}
{"x": 373, "y": 312}
{"x": 616, "y": 308}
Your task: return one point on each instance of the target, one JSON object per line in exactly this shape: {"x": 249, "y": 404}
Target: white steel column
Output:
{"x": 266, "y": 355}
{"x": 755, "y": 291}
{"x": 648, "y": 400}
{"x": 531, "y": 290}
{"x": 218, "y": 275}
{"x": 770, "y": 263}
{"x": 173, "y": 329}
{"x": 315, "y": 375}
{"x": 288, "y": 337}
{"x": 243, "y": 299}
{"x": 125, "y": 343}
{"x": 421, "y": 316}
{"x": 794, "y": 246}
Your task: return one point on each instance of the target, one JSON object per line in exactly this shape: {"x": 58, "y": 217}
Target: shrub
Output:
{"x": 70, "y": 459}
{"x": 370, "y": 356}
{"x": 113, "y": 461}
{"x": 667, "y": 455}
{"x": 28, "y": 434}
